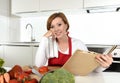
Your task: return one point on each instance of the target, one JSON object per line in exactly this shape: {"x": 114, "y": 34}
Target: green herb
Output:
{"x": 2, "y": 70}
{"x": 1, "y": 62}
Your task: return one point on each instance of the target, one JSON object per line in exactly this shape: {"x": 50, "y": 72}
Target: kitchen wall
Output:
{"x": 39, "y": 27}
{"x": 9, "y": 24}
{"x": 14, "y": 28}
{"x": 4, "y": 20}
{"x": 92, "y": 28}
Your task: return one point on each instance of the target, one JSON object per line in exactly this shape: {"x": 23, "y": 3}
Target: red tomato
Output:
{"x": 17, "y": 74}
{"x": 31, "y": 81}
{"x": 43, "y": 69}
{"x": 23, "y": 76}
{"x": 28, "y": 71}
{"x": 14, "y": 81}
{"x": 14, "y": 70}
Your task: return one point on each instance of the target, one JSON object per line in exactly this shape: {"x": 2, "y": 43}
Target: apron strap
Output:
{"x": 70, "y": 46}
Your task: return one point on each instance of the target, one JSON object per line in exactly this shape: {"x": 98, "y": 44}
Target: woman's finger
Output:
{"x": 48, "y": 34}
{"x": 104, "y": 60}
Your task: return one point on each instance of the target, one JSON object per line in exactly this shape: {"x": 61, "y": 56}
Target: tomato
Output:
{"x": 23, "y": 76}
{"x": 28, "y": 71}
{"x": 17, "y": 74}
{"x": 31, "y": 81}
{"x": 14, "y": 81}
{"x": 14, "y": 70}
{"x": 43, "y": 69}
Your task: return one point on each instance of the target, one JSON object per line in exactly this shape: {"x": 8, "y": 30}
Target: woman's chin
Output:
{"x": 59, "y": 37}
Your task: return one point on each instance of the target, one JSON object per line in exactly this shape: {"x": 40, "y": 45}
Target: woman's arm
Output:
{"x": 41, "y": 55}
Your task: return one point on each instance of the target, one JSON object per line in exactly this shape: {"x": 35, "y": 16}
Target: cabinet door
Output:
{"x": 24, "y": 6}
{"x": 95, "y": 3}
{"x": 60, "y": 4}
{"x": 21, "y": 55}
{"x": 34, "y": 54}
{"x": 2, "y": 52}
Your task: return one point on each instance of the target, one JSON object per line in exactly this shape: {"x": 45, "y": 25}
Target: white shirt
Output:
{"x": 48, "y": 48}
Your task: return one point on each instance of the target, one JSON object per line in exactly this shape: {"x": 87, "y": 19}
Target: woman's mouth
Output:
{"x": 58, "y": 33}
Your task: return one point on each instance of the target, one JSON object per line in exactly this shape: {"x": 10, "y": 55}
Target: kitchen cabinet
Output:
{"x": 31, "y": 6}
{"x": 96, "y": 3}
{"x": 21, "y": 55}
{"x": 1, "y": 52}
{"x": 48, "y": 5}
{"x": 34, "y": 54}
{"x": 4, "y": 7}
{"x": 24, "y": 6}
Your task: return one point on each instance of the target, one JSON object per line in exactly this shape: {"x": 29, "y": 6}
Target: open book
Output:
{"x": 83, "y": 62}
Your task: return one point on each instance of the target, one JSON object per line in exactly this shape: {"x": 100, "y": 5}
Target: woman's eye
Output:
{"x": 59, "y": 24}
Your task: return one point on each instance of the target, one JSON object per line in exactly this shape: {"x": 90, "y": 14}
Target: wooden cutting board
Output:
{"x": 81, "y": 63}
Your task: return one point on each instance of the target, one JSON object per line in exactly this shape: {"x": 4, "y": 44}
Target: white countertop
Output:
{"x": 36, "y": 43}
{"x": 103, "y": 77}
{"x": 19, "y": 43}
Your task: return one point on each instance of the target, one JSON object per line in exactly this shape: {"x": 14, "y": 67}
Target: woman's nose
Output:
{"x": 56, "y": 28}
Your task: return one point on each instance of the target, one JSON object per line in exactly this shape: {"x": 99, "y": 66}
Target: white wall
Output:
{"x": 95, "y": 28}
{"x": 9, "y": 25}
{"x": 4, "y": 31}
{"x": 39, "y": 28}
{"x": 4, "y": 20}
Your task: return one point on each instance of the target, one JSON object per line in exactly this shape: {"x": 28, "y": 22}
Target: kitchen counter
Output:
{"x": 36, "y": 44}
{"x": 104, "y": 77}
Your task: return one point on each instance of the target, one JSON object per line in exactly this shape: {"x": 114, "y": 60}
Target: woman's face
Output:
{"x": 58, "y": 27}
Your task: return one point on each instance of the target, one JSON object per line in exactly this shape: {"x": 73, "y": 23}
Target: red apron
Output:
{"x": 62, "y": 58}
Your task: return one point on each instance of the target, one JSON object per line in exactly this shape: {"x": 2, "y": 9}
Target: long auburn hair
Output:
{"x": 53, "y": 16}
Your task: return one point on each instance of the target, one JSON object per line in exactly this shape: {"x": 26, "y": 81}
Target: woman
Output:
{"x": 56, "y": 46}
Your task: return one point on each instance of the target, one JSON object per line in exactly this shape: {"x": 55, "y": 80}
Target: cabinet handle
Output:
{"x": 26, "y": 12}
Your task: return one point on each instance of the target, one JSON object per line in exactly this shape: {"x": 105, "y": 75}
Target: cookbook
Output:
{"x": 83, "y": 62}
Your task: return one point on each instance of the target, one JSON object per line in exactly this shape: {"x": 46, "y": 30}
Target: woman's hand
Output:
{"x": 104, "y": 60}
{"x": 49, "y": 34}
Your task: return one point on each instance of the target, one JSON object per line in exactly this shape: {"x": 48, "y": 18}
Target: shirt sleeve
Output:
{"x": 41, "y": 56}
{"x": 78, "y": 44}
{"x": 99, "y": 69}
